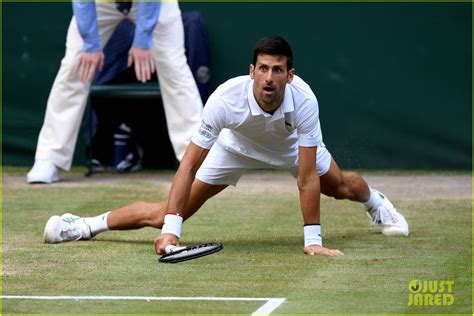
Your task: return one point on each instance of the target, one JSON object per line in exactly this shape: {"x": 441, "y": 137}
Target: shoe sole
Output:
{"x": 396, "y": 231}
{"x": 50, "y": 228}
{"x": 33, "y": 180}
{"x": 391, "y": 232}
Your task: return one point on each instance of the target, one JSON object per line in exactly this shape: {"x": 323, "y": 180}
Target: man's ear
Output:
{"x": 291, "y": 75}
{"x": 252, "y": 71}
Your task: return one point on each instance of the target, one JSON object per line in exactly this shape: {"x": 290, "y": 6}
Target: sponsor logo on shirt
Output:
{"x": 288, "y": 126}
{"x": 206, "y": 126}
{"x": 205, "y": 129}
{"x": 289, "y": 119}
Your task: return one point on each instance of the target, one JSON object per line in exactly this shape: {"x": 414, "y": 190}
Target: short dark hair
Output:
{"x": 273, "y": 45}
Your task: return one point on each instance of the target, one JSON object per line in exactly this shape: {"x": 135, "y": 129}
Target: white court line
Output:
{"x": 266, "y": 309}
{"x": 269, "y": 306}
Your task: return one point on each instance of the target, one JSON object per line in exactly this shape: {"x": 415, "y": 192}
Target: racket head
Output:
{"x": 191, "y": 252}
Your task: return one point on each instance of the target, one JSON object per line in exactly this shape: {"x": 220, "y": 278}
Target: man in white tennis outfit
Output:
{"x": 269, "y": 119}
{"x": 158, "y": 42}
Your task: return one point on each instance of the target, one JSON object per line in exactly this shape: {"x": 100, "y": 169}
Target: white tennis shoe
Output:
{"x": 43, "y": 171}
{"x": 386, "y": 215}
{"x": 67, "y": 227}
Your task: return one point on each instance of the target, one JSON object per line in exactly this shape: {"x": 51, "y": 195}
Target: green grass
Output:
{"x": 262, "y": 236}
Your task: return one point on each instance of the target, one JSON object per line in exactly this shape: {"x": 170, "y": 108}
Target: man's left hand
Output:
{"x": 313, "y": 250}
{"x": 144, "y": 63}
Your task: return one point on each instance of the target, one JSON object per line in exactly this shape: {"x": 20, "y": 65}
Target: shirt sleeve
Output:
{"x": 213, "y": 120}
{"x": 308, "y": 126}
{"x": 86, "y": 19}
{"x": 147, "y": 17}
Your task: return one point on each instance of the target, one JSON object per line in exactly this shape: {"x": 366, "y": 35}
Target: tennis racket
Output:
{"x": 175, "y": 254}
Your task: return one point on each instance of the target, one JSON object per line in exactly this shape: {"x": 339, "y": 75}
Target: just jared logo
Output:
{"x": 430, "y": 293}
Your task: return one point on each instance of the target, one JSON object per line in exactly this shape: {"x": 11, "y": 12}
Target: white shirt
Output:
{"x": 234, "y": 119}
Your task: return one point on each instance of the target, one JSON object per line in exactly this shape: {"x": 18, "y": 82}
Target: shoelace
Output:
{"x": 376, "y": 217}
{"x": 382, "y": 215}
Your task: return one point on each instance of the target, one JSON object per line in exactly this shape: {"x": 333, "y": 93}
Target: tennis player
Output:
{"x": 269, "y": 119}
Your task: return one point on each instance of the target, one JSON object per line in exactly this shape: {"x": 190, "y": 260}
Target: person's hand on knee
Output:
{"x": 88, "y": 63}
{"x": 143, "y": 61}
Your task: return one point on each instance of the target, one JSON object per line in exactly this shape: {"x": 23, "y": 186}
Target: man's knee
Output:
{"x": 339, "y": 193}
{"x": 353, "y": 186}
{"x": 341, "y": 187}
{"x": 333, "y": 188}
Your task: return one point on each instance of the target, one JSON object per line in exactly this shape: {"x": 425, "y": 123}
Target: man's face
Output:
{"x": 270, "y": 78}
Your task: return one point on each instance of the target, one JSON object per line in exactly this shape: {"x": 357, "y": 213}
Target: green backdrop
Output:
{"x": 393, "y": 80}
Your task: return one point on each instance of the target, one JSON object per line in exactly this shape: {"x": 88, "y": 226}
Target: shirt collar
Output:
{"x": 286, "y": 106}
{"x": 254, "y": 107}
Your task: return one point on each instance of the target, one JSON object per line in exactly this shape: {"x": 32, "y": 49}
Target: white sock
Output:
{"x": 374, "y": 198}
{"x": 97, "y": 224}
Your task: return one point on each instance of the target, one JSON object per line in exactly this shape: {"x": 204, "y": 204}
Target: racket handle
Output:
{"x": 172, "y": 248}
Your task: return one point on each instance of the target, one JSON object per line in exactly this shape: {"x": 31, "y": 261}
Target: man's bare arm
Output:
{"x": 310, "y": 194}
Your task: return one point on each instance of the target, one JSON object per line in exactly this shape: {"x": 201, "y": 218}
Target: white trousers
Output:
{"x": 68, "y": 97}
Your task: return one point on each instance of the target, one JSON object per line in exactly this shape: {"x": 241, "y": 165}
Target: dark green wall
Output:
{"x": 33, "y": 46}
{"x": 393, "y": 80}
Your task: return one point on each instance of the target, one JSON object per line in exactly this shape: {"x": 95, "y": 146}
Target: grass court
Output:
{"x": 260, "y": 224}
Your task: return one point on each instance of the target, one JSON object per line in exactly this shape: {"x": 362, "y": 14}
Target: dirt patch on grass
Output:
{"x": 397, "y": 187}
{"x": 271, "y": 182}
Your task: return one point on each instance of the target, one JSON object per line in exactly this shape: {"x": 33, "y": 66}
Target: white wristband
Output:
{"x": 312, "y": 235}
{"x": 172, "y": 225}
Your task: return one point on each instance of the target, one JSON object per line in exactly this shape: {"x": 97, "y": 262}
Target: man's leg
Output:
{"x": 136, "y": 215}
{"x": 144, "y": 214}
{"x": 351, "y": 186}
{"x": 64, "y": 111}
{"x": 344, "y": 185}
{"x": 67, "y": 102}
{"x": 181, "y": 100}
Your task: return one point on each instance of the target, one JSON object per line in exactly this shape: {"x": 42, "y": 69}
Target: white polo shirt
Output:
{"x": 233, "y": 118}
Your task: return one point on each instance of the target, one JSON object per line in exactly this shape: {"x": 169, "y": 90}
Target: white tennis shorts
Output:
{"x": 222, "y": 167}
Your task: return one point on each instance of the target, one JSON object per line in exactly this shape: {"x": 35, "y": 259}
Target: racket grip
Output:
{"x": 172, "y": 248}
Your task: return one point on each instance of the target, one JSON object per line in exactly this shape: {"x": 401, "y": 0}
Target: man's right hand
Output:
{"x": 87, "y": 65}
{"x": 165, "y": 240}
